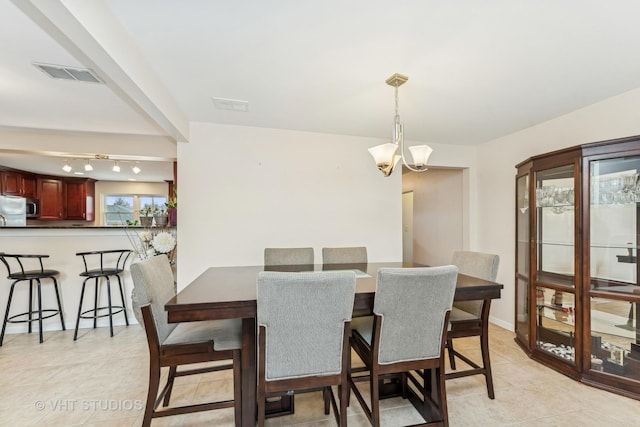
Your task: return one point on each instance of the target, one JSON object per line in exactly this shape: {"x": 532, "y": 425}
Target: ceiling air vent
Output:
{"x": 68, "y": 73}
{"x": 231, "y": 104}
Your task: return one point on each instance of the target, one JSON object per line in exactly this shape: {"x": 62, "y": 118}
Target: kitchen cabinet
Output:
{"x": 51, "y": 195}
{"x": 15, "y": 183}
{"x": 80, "y": 199}
{"x": 577, "y": 272}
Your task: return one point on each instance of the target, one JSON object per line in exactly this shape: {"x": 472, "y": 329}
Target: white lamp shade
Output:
{"x": 385, "y": 157}
{"x": 383, "y": 154}
{"x": 420, "y": 155}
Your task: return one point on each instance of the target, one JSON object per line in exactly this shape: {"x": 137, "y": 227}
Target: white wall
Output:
{"x": 438, "y": 214}
{"x": 495, "y": 185}
{"x": 244, "y": 189}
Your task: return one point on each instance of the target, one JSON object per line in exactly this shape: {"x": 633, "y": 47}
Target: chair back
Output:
{"x": 15, "y": 264}
{"x": 476, "y": 264}
{"x": 345, "y": 255}
{"x": 304, "y": 316}
{"x": 413, "y": 303}
{"x": 107, "y": 261}
{"x": 153, "y": 284}
{"x": 288, "y": 256}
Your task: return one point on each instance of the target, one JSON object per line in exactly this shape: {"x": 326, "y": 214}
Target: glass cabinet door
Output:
{"x": 522, "y": 259}
{"x": 555, "y": 262}
{"x": 613, "y": 266}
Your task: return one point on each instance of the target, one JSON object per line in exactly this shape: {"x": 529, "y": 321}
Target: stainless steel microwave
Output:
{"x": 33, "y": 208}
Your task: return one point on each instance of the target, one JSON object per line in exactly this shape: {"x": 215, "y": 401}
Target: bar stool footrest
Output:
{"x": 115, "y": 309}
{"x": 53, "y": 311}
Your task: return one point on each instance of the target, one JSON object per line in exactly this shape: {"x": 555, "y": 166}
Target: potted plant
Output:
{"x": 160, "y": 217}
{"x": 146, "y": 216}
{"x": 172, "y": 207}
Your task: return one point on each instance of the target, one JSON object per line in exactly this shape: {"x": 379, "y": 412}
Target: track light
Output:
{"x": 67, "y": 166}
{"x": 116, "y": 166}
{"x": 135, "y": 168}
{"x": 87, "y": 166}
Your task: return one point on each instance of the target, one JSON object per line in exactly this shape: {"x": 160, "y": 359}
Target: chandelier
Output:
{"x": 385, "y": 154}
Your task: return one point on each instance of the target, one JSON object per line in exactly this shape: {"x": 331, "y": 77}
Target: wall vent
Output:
{"x": 68, "y": 73}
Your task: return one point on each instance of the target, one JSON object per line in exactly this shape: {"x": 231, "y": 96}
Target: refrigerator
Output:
{"x": 14, "y": 211}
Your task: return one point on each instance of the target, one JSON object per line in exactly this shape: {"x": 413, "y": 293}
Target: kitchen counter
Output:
{"x": 62, "y": 243}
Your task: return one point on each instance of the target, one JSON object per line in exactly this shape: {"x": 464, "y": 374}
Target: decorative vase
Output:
{"x": 173, "y": 216}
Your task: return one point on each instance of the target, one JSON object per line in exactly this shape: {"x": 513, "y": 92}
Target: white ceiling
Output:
{"x": 477, "y": 70}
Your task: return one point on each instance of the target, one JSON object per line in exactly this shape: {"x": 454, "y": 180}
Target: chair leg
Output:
{"x": 343, "y": 390}
{"x": 75, "y": 334}
{"x": 170, "y": 379}
{"x": 486, "y": 362}
{"x": 375, "y": 398}
{"x": 237, "y": 388}
{"x": 39, "y": 310}
{"x": 6, "y": 313}
{"x": 109, "y": 305}
{"x": 124, "y": 306}
{"x": 30, "y": 304}
{"x": 55, "y": 286}
{"x": 326, "y": 396}
{"x": 452, "y": 357}
{"x": 95, "y": 304}
{"x": 442, "y": 395}
{"x": 152, "y": 393}
{"x": 261, "y": 404}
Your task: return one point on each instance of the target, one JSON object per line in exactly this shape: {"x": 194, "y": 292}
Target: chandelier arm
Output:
{"x": 404, "y": 161}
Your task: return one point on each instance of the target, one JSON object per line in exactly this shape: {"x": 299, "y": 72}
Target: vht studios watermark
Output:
{"x": 89, "y": 405}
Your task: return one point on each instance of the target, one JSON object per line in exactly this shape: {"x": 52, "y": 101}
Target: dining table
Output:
{"x": 230, "y": 293}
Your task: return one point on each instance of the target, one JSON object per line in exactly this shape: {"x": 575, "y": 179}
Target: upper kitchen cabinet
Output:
{"x": 15, "y": 183}
{"x": 51, "y": 195}
{"x": 80, "y": 199}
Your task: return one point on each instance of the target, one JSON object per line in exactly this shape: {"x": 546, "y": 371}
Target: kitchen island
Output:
{"x": 62, "y": 243}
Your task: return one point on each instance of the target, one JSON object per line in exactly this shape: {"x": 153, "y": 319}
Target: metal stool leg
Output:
{"x": 109, "y": 306}
{"x": 6, "y": 314}
{"x": 95, "y": 305}
{"x": 124, "y": 306}
{"x": 30, "y": 303}
{"x": 39, "y": 310}
{"x": 55, "y": 285}
{"x": 75, "y": 334}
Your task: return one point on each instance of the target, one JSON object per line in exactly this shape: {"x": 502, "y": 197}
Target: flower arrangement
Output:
{"x": 152, "y": 242}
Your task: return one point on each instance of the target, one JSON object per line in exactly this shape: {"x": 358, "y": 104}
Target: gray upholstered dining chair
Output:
{"x": 172, "y": 345}
{"x": 345, "y": 255}
{"x": 406, "y": 333}
{"x": 353, "y": 255}
{"x": 303, "y": 335}
{"x": 471, "y": 318}
{"x": 288, "y": 256}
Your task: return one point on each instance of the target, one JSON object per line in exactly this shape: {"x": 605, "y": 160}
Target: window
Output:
{"x": 123, "y": 209}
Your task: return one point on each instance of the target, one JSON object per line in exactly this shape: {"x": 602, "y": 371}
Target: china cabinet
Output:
{"x": 576, "y": 273}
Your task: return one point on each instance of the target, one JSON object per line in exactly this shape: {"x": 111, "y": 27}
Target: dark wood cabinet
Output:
{"x": 80, "y": 199}
{"x": 51, "y": 195}
{"x": 577, "y": 276}
{"x": 14, "y": 183}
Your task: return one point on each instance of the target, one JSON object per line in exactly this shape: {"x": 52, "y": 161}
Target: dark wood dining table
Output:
{"x": 230, "y": 293}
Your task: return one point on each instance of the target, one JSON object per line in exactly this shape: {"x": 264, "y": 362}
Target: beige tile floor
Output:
{"x": 102, "y": 381}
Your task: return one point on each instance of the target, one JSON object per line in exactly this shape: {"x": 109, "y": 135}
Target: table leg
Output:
{"x": 249, "y": 372}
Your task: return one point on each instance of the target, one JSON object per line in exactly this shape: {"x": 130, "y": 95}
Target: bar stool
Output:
{"x": 111, "y": 263}
{"x": 16, "y": 271}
